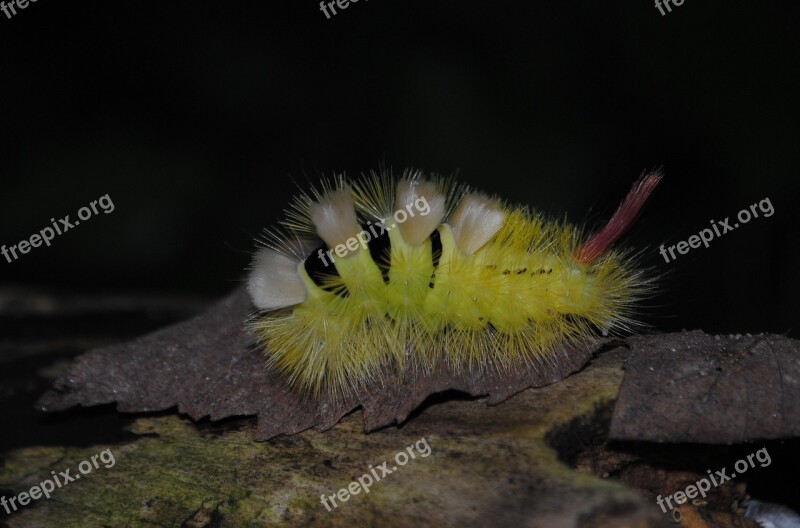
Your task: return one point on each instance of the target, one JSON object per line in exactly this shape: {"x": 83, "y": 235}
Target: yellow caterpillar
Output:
{"x": 362, "y": 278}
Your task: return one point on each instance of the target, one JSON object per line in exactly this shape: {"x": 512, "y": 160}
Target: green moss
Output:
{"x": 486, "y": 464}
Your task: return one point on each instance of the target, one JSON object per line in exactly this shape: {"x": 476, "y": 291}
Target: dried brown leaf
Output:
{"x": 207, "y": 366}
{"x": 694, "y": 387}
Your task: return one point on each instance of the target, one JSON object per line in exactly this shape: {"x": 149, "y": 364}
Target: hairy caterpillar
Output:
{"x": 363, "y": 277}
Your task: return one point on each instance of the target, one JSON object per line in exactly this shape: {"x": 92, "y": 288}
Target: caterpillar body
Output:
{"x": 363, "y": 277}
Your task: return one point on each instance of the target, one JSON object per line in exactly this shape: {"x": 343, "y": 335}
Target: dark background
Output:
{"x": 197, "y": 118}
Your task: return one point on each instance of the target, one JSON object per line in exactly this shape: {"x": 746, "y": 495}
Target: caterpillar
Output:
{"x": 364, "y": 276}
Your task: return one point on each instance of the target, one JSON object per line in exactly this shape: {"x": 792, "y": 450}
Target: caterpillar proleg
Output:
{"x": 362, "y": 277}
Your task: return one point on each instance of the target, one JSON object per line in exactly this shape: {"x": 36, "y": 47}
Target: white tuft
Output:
{"x": 334, "y": 217}
{"x": 771, "y": 515}
{"x": 427, "y": 205}
{"x": 475, "y": 221}
{"x": 274, "y": 282}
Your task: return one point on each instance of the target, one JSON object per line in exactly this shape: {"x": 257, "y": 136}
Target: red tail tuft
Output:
{"x": 621, "y": 220}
